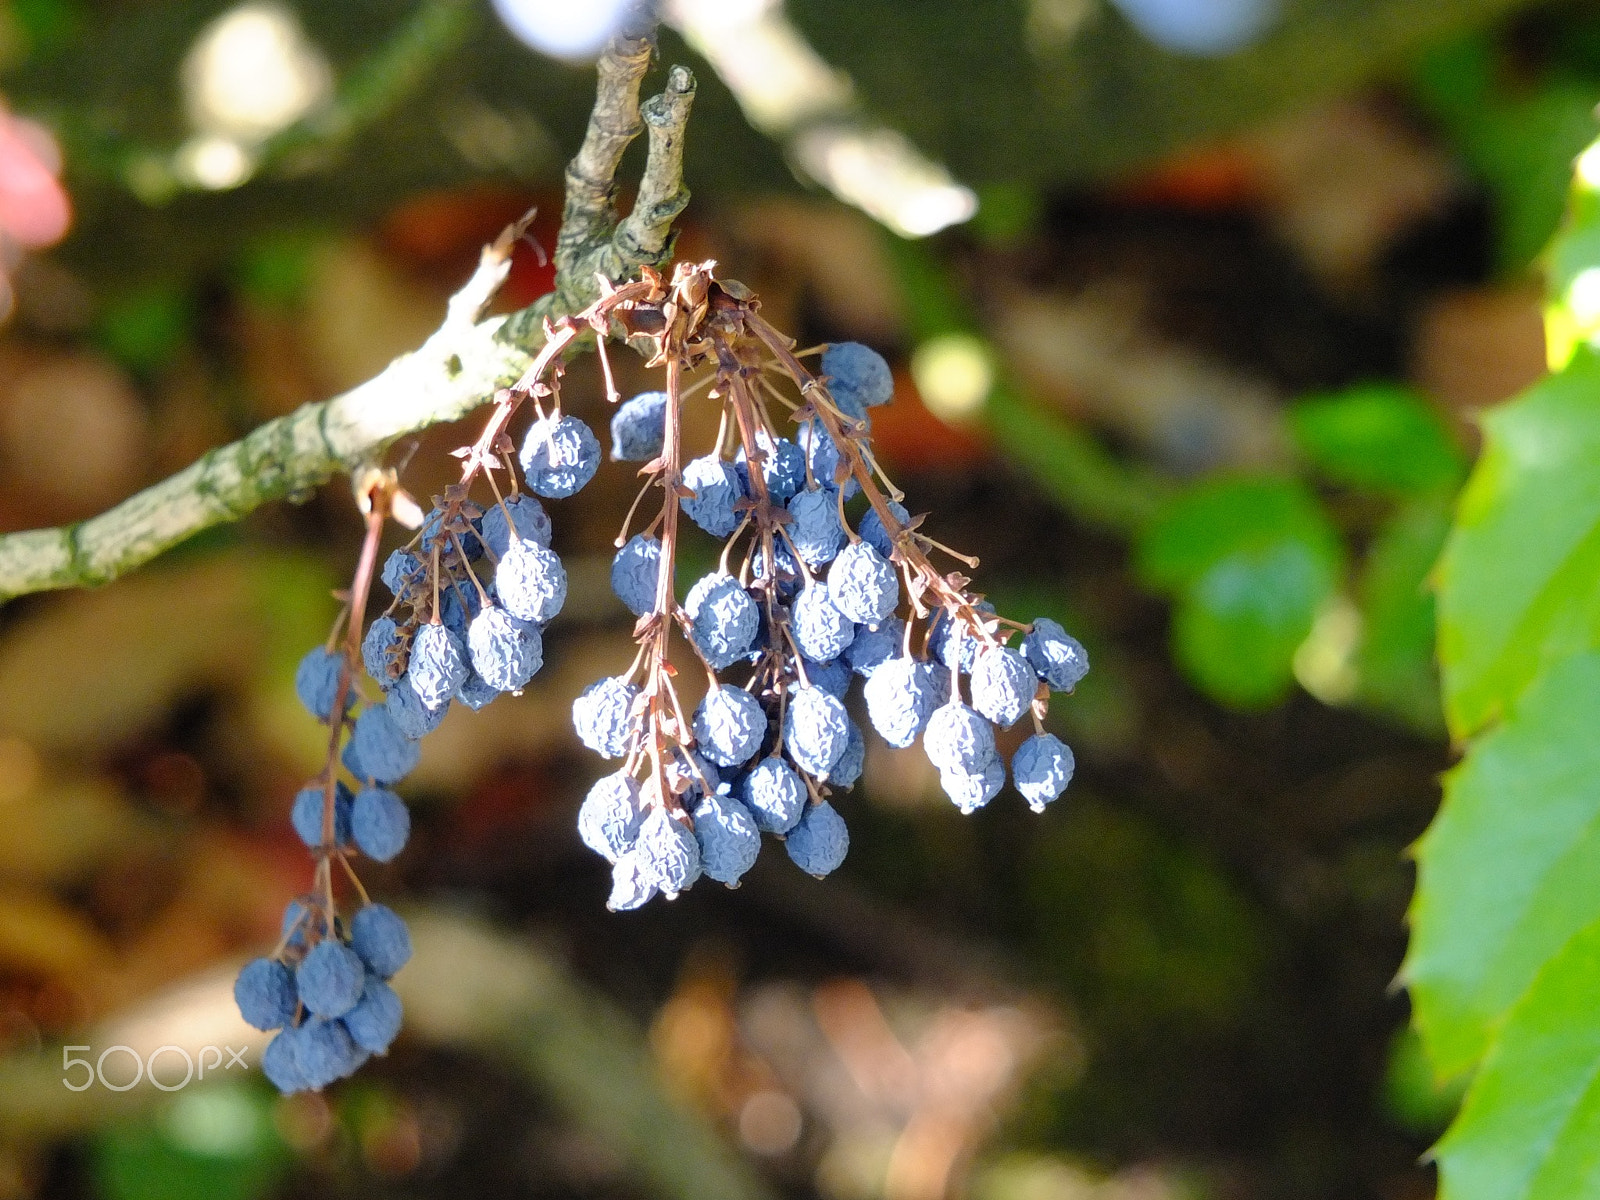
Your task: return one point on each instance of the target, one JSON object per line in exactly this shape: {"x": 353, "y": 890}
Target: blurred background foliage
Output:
{"x": 1197, "y": 377}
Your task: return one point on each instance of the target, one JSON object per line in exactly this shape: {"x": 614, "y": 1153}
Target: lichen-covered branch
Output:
{"x": 458, "y": 368}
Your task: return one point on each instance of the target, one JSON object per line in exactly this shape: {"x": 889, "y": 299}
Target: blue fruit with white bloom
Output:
{"x": 816, "y": 730}
{"x": 668, "y": 854}
{"x": 819, "y": 629}
{"x": 506, "y": 651}
{"x": 727, "y": 836}
{"x": 872, "y": 531}
{"x": 316, "y": 682}
{"x": 380, "y": 823}
{"x": 531, "y": 582}
{"x": 863, "y": 585}
{"x": 330, "y": 978}
{"x": 958, "y": 741}
{"x": 729, "y": 726}
{"x": 527, "y": 517}
{"x": 375, "y": 1021}
{"x": 603, "y": 716}
{"x": 380, "y": 939}
{"x": 265, "y": 994}
{"x": 775, "y": 795}
{"x": 639, "y": 427}
{"x": 438, "y": 665}
{"x": 559, "y": 455}
{"x": 610, "y": 817}
{"x": 635, "y": 573}
{"x": 783, "y": 467}
{"x": 1058, "y": 657}
{"x": 815, "y": 529}
{"x": 1003, "y": 685}
{"x": 818, "y": 844}
{"x": 858, "y": 377}
{"x": 723, "y": 619}
{"x": 1041, "y": 768}
{"x": 378, "y": 750}
{"x": 715, "y": 487}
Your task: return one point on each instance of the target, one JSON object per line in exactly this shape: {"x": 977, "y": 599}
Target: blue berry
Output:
{"x": 871, "y": 648}
{"x": 783, "y": 467}
{"x": 689, "y": 777}
{"x": 970, "y": 791}
{"x": 528, "y": 517}
{"x": 815, "y": 529}
{"x": 1003, "y": 685}
{"x": 858, "y": 377}
{"x": 378, "y": 750}
{"x": 847, "y": 770}
{"x": 668, "y": 854}
{"x": 324, "y": 1052}
{"x": 437, "y": 534}
{"x": 306, "y": 816}
{"x": 638, "y": 428}
{"x": 438, "y": 665}
{"x": 787, "y": 567}
{"x": 380, "y": 823}
{"x": 609, "y": 818}
{"x": 873, "y": 533}
{"x": 603, "y": 716}
{"x": 316, "y": 682}
{"x": 901, "y": 695}
{"x": 942, "y": 639}
{"x": 728, "y": 839}
{"x": 476, "y": 692}
{"x": 506, "y": 652}
{"x": 381, "y": 652}
{"x": 381, "y": 940}
{"x": 729, "y": 726}
{"x": 716, "y": 490}
{"x": 723, "y": 619}
{"x": 631, "y": 886}
{"x": 457, "y": 607}
{"x": 402, "y": 571}
{"x": 1041, "y": 768}
{"x": 1059, "y": 658}
{"x": 775, "y": 795}
{"x": 330, "y": 979}
{"x": 375, "y": 1021}
{"x": 635, "y": 572}
{"x": 825, "y": 458}
{"x": 296, "y": 916}
{"x": 531, "y": 582}
{"x": 863, "y": 585}
{"x": 832, "y": 677}
{"x": 818, "y": 844}
{"x": 281, "y": 1065}
{"x": 265, "y": 994}
{"x": 816, "y": 730}
{"x": 958, "y": 740}
{"x": 819, "y": 629}
{"x": 411, "y": 716}
{"x": 559, "y": 456}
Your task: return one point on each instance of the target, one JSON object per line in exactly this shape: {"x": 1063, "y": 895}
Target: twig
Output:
{"x": 457, "y": 369}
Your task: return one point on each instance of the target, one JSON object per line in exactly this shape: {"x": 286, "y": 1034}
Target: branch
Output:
{"x": 457, "y": 369}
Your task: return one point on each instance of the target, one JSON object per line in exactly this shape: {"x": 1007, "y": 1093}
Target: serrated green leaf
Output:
{"x": 1510, "y": 868}
{"x": 1520, "y": 576}
{"x": 1378, "y": 437}
{"x": 1530, "y": 1128}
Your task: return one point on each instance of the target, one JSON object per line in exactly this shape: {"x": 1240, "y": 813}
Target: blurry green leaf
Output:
{"x": 143, "y": 329}
{"x": 1250, "y": 561}
{"x": 275, "y": 270}
{"x": 1412, "y": 1094}
{"x": 47, "y": 24}
{"x": 1510, "y": 868}
{"x": 1530, "y": 1127}
{"x": 212, "y": 1143}
{"x": 1380, "y": 437}
{"x": 1522, "y": 144}
{"x": 1237, "y": 627}
{"x": 1228, "y": 516}
{"x": 1395, "y": 661}
{"x": 1520, "y": 577}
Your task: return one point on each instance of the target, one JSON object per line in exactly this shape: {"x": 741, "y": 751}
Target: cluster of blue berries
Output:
{"x": 814, "y": 607}
{"x": 471, "y": 595}
{"x": 805, "y": 600}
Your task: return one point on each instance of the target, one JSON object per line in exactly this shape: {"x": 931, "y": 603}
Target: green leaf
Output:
{"x": 1237, "y": 628}
{"x": 1250, "y": 561}
{"x": 1395, "y": 661}
{"x": 1530, "y": 1129}
{"x": 1378, "y": 437}
{"x": 1228, "y": 516}
{"x": 1520, "y": 577}
{"x": 1510, "y": 869}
